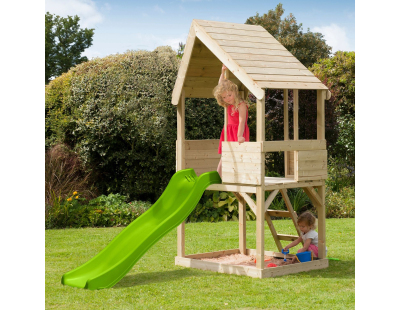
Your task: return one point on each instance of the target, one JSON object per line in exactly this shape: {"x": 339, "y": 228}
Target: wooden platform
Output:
{"x": 193, "y": 261}
{"x": 271, "y": 183}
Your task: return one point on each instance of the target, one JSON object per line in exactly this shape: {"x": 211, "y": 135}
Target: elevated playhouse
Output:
{"x": 256, "y": 61}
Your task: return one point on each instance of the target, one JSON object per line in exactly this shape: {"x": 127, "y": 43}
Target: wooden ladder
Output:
{"x": 290, "y": 213}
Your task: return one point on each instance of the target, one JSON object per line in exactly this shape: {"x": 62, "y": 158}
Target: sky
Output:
{"x": 122, "y": 25}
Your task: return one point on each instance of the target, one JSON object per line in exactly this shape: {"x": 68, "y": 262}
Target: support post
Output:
{"x": 321, "y": 114}
{"x": 295, "y": 114}
{"x": 261, "y": 119}
{"x": 286, "y": 129}
{"x": 321, "y": 223}
{"x": 181, "y": 164}
{"x": 260, "y": 192}
{"x": 242, "y": 224}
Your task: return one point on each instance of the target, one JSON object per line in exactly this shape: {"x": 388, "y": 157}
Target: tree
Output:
{"x": 307, "y": 47}
{"x": 65, "y": 42}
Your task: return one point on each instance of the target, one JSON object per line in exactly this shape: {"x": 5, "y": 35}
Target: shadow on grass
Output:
{"x": 337, "y": 269}
{"x": 156, "y": 277}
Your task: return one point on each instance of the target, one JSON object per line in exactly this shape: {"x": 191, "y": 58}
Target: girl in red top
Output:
{"x": 227, "y": 95}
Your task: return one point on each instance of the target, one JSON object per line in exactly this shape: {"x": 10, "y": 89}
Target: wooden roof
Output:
{"x": 253, "y": 56}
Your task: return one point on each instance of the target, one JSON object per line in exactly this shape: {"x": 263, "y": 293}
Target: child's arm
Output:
{"x": 294, "y": 243}
{"x": 306, "y": 245}
{"x": 242, "y": 122}
{"x": 222, "y": 77}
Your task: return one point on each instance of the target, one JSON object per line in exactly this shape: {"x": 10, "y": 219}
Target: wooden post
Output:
{"x": 321, "y": 95}
{"x": 261, "y": 119}
{"x": 286, "y": 129}
{"x": 295, "y": 114}
{"x": 321, "y": 223}
{"x": 321, "y": 114}
{"x": 225, "y": 124}
{"x": 242, "y": 225}
{"x": 181, "y": 164}
{"x": 260, "y": 192}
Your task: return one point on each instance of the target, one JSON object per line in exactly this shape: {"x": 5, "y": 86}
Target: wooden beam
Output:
{"x": 242, "y": 223}
{"x": 226, "y": 59}
{"x": 270, "y": 198}
{"x": 176, "y": 93}
{"x": 321, "y": 114}
{"x": 261, "y": 119}
{"x": 291, "y": 145}
{"x": 321, "y": 223}
{"x": 287, "y": 237}
{"x": 295, "y": 114}
{"x": 290, "y": 209}
{"x": 315, "y": 199}
{"x": 286, "y": 128}
{"x": 278, "y": 213}
{"x": 250, "y": 202}
{"x": 260, "y": 228}
{"x": 181, "y": 164}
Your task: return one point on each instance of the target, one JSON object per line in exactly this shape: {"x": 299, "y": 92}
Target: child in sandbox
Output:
{"x": 306, "y": 222}
{"x": 227, "y": 95}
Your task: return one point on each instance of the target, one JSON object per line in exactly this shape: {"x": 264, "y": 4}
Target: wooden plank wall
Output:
{"x": 202, "y": 155}
{"x": 243, "y": 163}
{"x": 310, "y": 165}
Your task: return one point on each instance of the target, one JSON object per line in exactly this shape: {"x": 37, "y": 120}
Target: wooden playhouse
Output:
{"x": 256, "y": 61}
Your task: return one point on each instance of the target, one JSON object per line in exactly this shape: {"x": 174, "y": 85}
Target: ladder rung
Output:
{"x": 287, "y": 237}
{"x": 279, "y": 213}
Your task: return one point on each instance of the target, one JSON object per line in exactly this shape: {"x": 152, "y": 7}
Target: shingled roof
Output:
{"x": 253, "y": 56}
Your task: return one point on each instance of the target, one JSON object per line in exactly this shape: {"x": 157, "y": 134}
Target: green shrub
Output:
{"x": 103, "y": 211}
{"x": 340, "y": 174}
{"x": 340, "y": 204}
{"x": 116, "y": 113}
{"x": 299, "y": 199}
{"x": 217, "y": 206}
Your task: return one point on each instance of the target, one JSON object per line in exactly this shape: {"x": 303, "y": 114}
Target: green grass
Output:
{"x": 156, "y": 283}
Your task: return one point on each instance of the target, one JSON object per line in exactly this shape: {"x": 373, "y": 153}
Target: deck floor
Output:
{"x": 271, "y": 183}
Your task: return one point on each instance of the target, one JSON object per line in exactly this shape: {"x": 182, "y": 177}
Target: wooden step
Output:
{"x": 279, "y": 213}
{"x": 287, "y": 237}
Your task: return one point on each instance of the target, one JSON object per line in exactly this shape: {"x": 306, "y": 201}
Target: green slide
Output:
{"x": 181, "y": 196}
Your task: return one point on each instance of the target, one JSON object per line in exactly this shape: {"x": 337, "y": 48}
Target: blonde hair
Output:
{"x": 227, "y": 85}
{"x": 307, "y": 218}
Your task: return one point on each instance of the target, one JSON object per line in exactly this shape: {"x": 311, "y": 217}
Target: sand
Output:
{"x": 246, "y": 260}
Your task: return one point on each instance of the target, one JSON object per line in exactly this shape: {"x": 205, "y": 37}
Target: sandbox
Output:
{"x": 233, "y": 262}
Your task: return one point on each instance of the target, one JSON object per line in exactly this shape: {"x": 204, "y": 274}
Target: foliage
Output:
{"x": 64, "y": 174}
{"x": 116, "y": 113}
{"x": 65, "y": 41}
{"x": 299, "y": 199}
{"x": 217, "y": 206}
{"x": 340, "y": 204}
{"x": 308, "y": 47}
{"x": 340, "y": 174}
{"x": 338, "y": 73}
{"x": 103, "y": 211}
{"x": 180, "y": 51}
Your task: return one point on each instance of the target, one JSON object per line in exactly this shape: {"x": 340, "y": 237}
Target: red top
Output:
{"x": 232, "y": 127}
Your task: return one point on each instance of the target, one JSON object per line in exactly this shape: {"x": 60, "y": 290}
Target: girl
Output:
{"x": 227, "y": 95}
{"x": 306, "y": 222}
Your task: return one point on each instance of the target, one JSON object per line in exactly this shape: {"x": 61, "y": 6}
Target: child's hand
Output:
{"x": 286, "y": 248}
{"x": 241, "y": 140}
{"x": 224, "y": 68}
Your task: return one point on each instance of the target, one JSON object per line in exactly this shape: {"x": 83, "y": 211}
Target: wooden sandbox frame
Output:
{"x": 265, "y": 65}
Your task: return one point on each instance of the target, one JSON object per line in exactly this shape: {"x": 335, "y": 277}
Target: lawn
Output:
{"x": 156, "y": 283}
